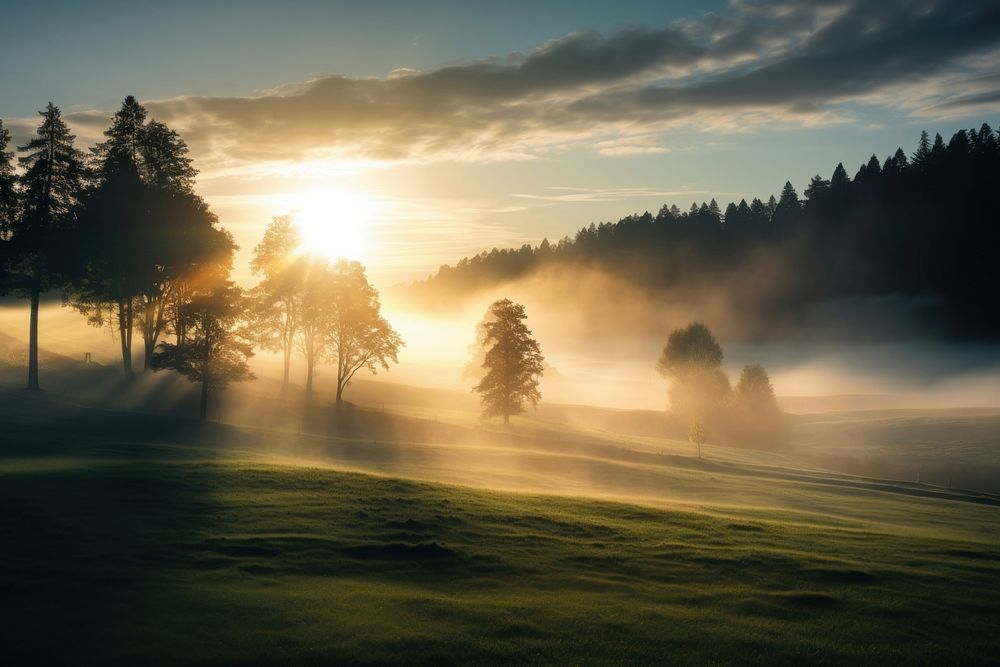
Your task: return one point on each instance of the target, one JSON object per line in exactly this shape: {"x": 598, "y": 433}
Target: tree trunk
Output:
{"x": 309, "y": 379}
{"x": 204, "y": 401}
{"x": 340, "y": 394}
{"x": 124, "y": 335}
{"x": 33, "y": 340}
{"x": 148, "y": 338}
{"x": 506, "y": 419}
{"x": 288, "y": 367}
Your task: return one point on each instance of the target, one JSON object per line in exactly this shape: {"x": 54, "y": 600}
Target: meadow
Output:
{"x": 149, "y": 538}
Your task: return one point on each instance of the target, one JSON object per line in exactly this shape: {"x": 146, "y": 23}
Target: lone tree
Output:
{"x": 513, "y": 362}
{"x": 53, "y": 179}
{"x": 692, "y": 360}
{"x": 214, "y": 350}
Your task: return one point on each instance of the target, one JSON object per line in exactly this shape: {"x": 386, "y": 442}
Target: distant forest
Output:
{"x": 924, "y": 227}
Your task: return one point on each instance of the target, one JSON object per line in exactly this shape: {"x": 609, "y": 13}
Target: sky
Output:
{"x": 460, "y": 126}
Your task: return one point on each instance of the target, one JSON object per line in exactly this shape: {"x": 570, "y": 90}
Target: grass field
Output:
{"x": 133, "y": 538}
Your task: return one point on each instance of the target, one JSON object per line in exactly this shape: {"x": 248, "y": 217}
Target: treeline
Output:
{"x": 120, "y": 232}
{"x": 922, "y": 225}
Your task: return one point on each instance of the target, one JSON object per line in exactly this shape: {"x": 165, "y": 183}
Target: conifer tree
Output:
{"x": 512, "y": 364}
{"x": 8, "y": 186}
{"x": 54, "y": 175}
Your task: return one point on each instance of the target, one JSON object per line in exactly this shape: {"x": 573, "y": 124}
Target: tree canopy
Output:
{"x": 512, "y": 364}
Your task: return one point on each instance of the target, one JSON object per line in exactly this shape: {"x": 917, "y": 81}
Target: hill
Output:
{"x": 894, "y": 250}
{"x": 151, "y": 539}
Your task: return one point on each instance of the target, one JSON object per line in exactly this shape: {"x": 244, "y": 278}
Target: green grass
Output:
{"x": 146, "y": 539}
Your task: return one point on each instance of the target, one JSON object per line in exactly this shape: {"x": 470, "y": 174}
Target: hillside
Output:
{"x": 156, "y": 539}
{"x": 893, "y": 250}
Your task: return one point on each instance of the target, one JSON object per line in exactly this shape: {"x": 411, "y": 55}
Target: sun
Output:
{"x": 334, "y": 223}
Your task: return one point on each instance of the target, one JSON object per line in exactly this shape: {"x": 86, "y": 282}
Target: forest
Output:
{"x": 909, "y": 226}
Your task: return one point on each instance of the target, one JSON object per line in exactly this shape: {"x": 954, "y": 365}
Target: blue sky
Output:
{"x": 512, "y": 121}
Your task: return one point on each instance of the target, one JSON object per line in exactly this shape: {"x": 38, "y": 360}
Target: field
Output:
{"x": 150, "y": 538}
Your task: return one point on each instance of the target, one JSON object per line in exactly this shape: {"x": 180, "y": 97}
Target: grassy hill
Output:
{"x": 148, "y": 538}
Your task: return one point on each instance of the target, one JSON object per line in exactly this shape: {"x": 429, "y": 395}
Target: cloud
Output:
{"x": 759, "y": 63}
{"x": 573, "y": 194}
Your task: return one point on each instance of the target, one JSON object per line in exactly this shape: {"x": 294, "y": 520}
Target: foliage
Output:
{"x": 899, "y": 227}
{"x": 277, "y": 259}
{"x": 513, "y": 362}
{"x": 144, "y": 235}
{"x": 215, "y": 347}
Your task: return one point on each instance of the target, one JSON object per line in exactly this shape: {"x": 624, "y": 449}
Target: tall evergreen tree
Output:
{"x": 8, "y": 186}
{"x": 143, "y": 233}
{"x": 923, "y": 152}
{"x": 54, "y": 175}
{"x": 512, "y": 364}
{"x": 165, "y": 162}
{"x": 818, "y": 187}
{"x": 839, "y": 181}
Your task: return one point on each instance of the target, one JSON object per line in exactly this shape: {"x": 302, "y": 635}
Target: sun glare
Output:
{"x": 334, "y": 223}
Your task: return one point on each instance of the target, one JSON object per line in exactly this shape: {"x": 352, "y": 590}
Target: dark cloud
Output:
{"x": 784, "y": 60}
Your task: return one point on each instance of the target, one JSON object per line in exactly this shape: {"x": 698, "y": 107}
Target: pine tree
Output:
{"x": 923, "y": 152}
{"x": 143, "y": 233}
{"x": 771, "y": 207}
{"x": 165, "y": 162}
{"x": 8, "y": 186}
{"x": 51, "y": 186}
{"x": 713, "y": 211}
{"x": 122, "y": 150}
{"x": 839, "y": 181}
{"x": 817, "y": 187}
{"x": 513, "y": 362}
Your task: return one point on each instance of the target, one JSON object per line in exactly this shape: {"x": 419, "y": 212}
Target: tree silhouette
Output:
{"x": 277, "y": 297}
{"x": 143, "y": 233}
{"x": 8, "y": 186}
{"x": 215, "y": 348}
{"x": 692, "y": 359}
{"x": 513, "y": 362}
{"x": 359, "y": 336}
{"x": 913, "y": 231}
{"x": 53, "y": 178}
{"x": 314, "y": 314}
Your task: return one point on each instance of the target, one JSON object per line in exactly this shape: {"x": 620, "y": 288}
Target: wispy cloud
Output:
{"x": 575, "y": 194}
{"x": 766, "y": 63}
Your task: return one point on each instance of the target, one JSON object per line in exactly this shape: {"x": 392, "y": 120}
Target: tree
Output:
{"x": 143, "y": 233}
{"x": 8, "y": 186}
{"x": 359, "y": 336}
{"x": 697, "y": 434}
{"x": 277, "y": 297}
{"x": 754, "y": 390}
{"x": 122, "y": 150}
{"x": 215, "y": 349}
{"x": 513, "y": 362}
{"x": 692, "y": 359}
{"x": 758, "y": 416}
{"x": 164, "y": 159}
{"x": 818, "y": 187}
{"x": 52, "y": 181}
{"x": 314, "y": 314}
